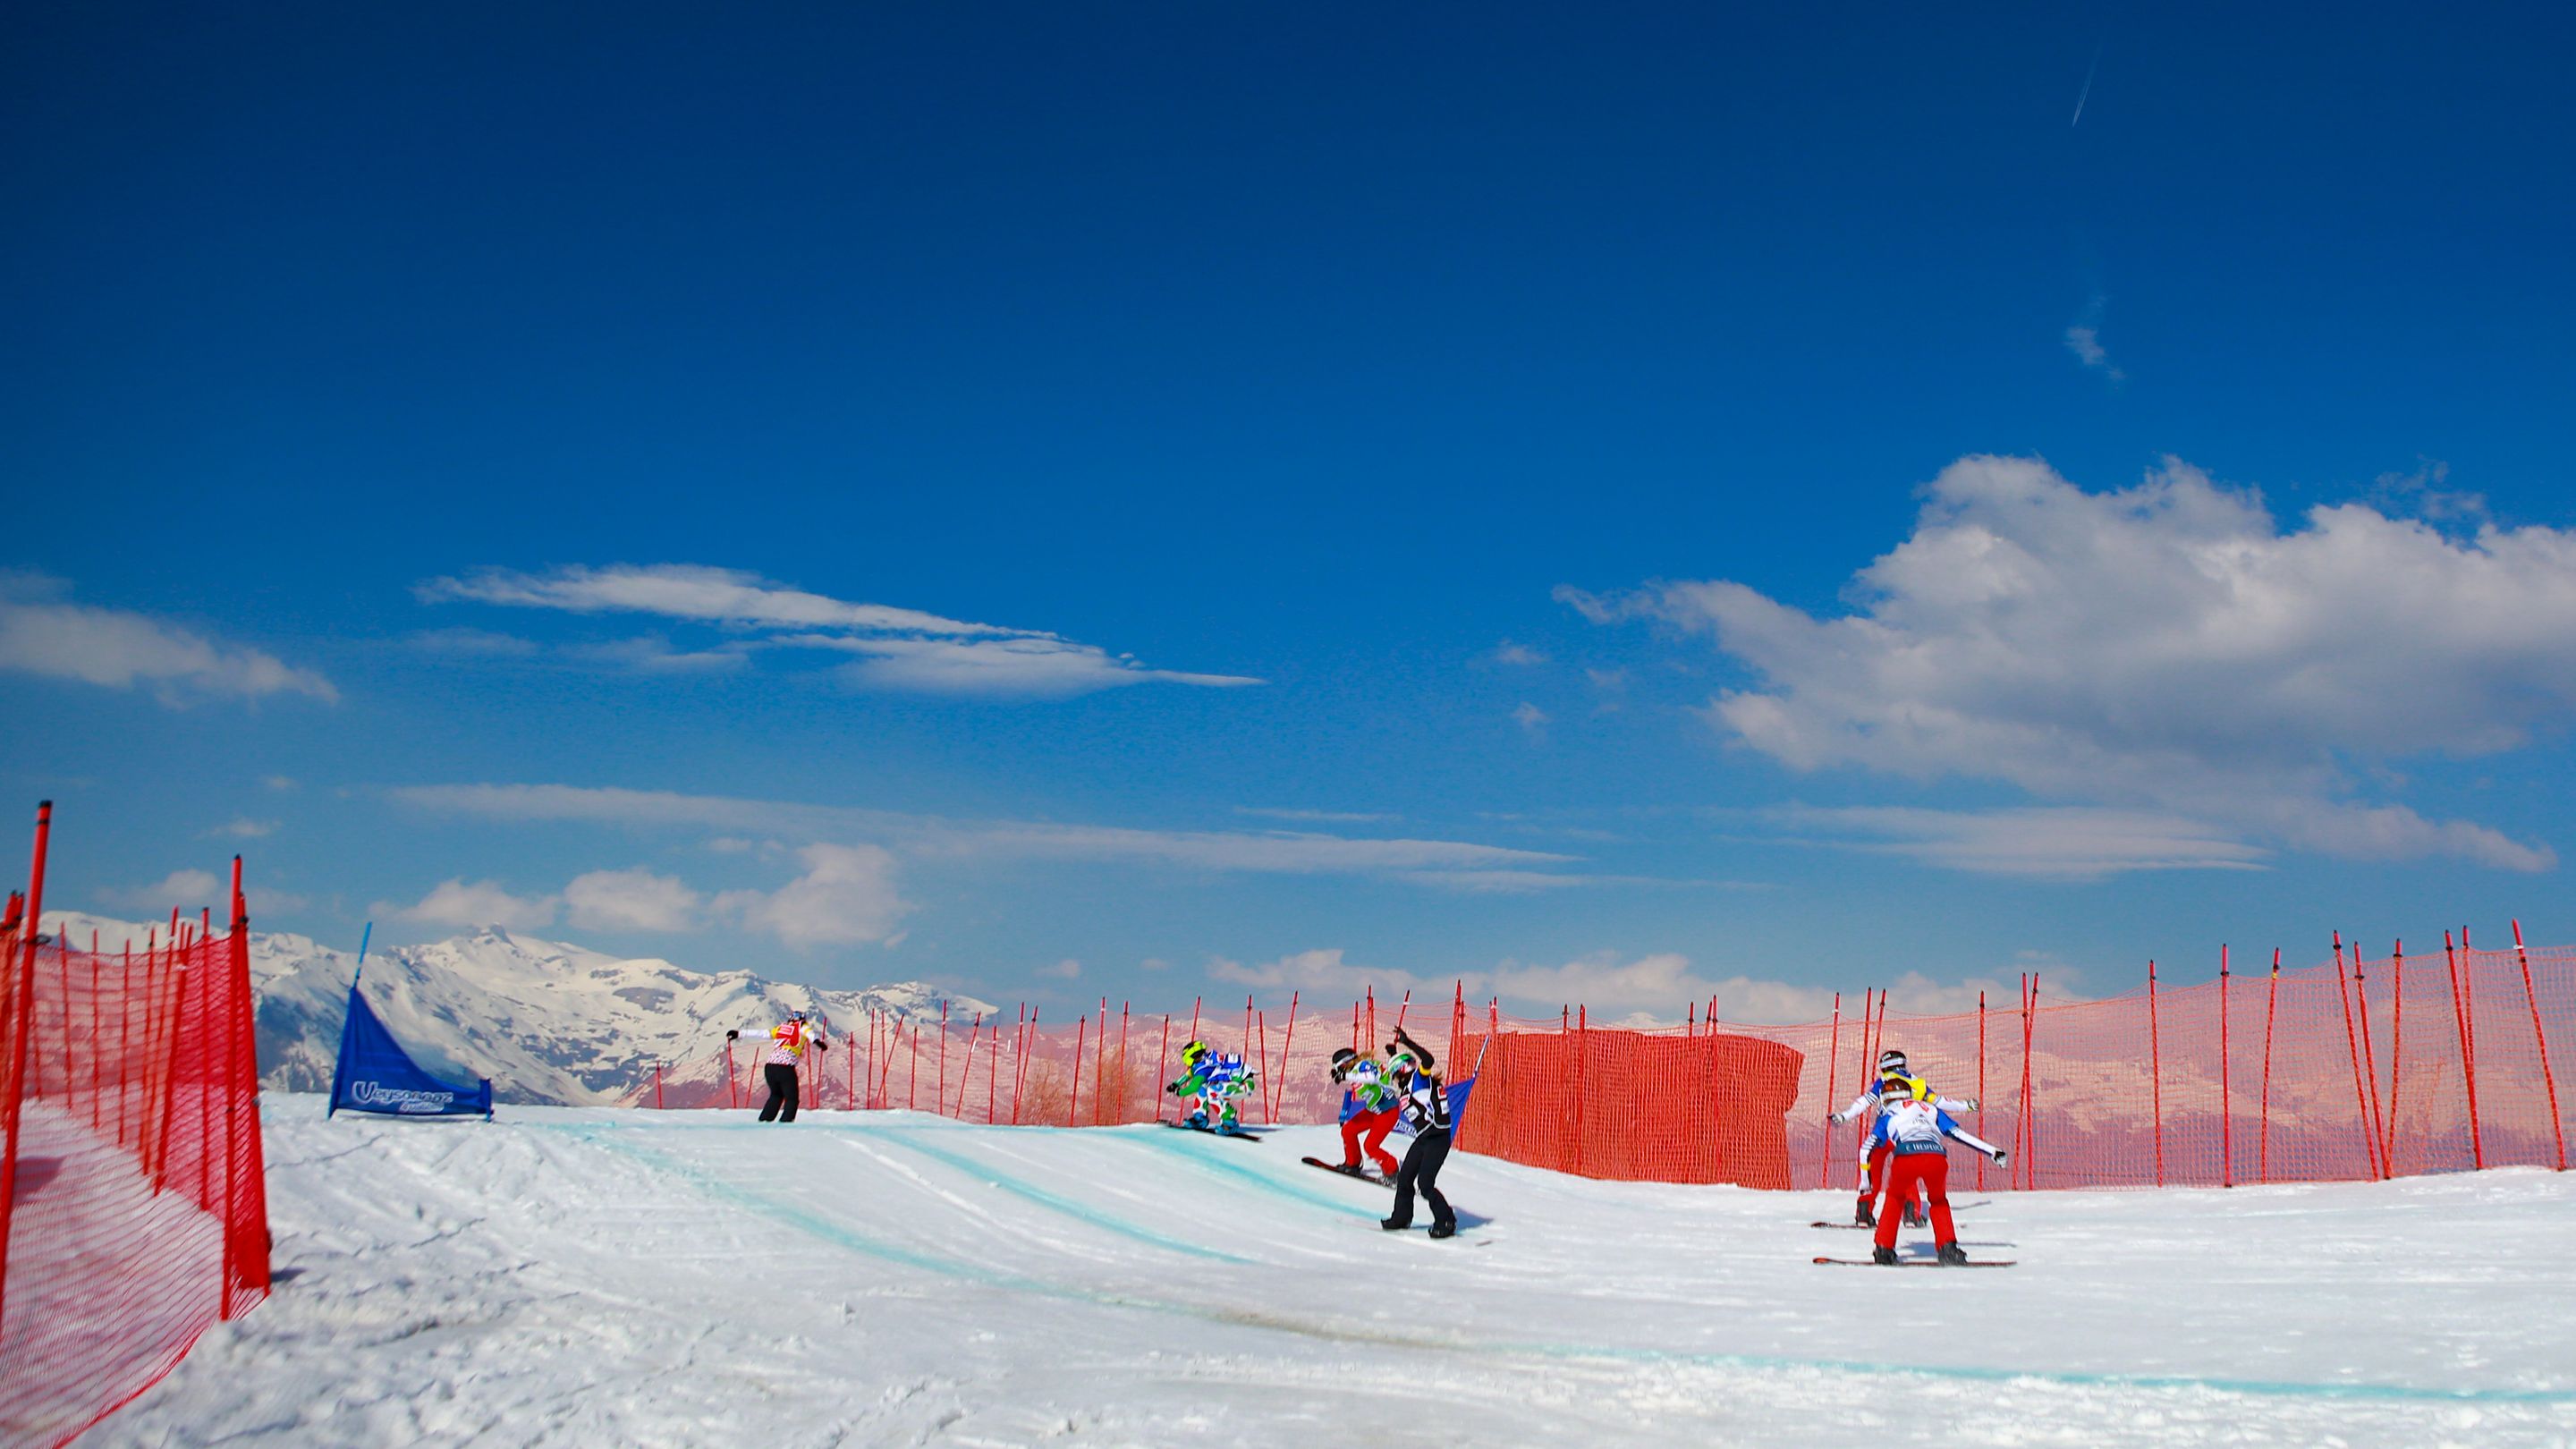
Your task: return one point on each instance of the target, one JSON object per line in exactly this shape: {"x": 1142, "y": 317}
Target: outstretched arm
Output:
{"x": 1421, "y": 1054}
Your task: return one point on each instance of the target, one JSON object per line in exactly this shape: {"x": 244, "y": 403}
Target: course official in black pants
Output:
{"x": 1426, "y": 1111}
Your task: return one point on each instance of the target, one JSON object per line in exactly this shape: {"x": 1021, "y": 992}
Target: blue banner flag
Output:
{"x": 376, "y": 1075}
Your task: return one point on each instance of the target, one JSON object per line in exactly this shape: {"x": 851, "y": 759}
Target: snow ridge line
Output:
{"x": 842, "y": 1236}
{"x": 1247, "y": 1174}
{"x": 1053, "y": 1202}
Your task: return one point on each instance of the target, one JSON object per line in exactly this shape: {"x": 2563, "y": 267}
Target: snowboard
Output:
{"x": 1335, "y": 1170}
{"x": 1917, "y": 1263}
{"x": 1212, "y": 1132}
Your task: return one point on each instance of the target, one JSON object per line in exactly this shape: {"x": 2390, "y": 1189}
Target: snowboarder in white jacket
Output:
{"x": 1913, "y": 1129}
{"x": 788, "y": 1043}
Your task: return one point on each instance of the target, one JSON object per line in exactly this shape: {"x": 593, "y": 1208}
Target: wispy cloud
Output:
{"x": 2084, "y": 339}
{"x": 1520, "y": 655}
{"x": 1265, "y": 852}
{"x": 2073, "y": 843}
{"x": 41, "y": 633}
{"x": 1532, "y": 719}
{"x": 2167, "y": 646}
{"x": 245, "y": 828}
{"x": 1317, "y": 817}
{"x": 899, "y": 649}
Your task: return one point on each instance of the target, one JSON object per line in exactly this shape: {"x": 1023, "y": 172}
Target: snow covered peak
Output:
{"x": 547, "y": 1021}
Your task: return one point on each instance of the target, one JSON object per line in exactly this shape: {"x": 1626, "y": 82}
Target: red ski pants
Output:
{"x": 1905, "y": 1170}
{"x": 1369, "y": 1129}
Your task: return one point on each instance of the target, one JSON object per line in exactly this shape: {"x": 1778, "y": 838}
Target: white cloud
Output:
{"x": 900, "y": 649}
{"x": 1324, "y": 973}
{"x": 846, "y": 897}
{"x": 278, "y": 782}
{"x": 119, "y": 649}
{"x": 2167, "y": 645}
{"x": 630, "y": 900}
{"x": 1035, "y": 666}
{"x": 685, "y": 591}
{"x": 245, "y": 828}
{"x": 1067, "y": 969}
{"x": 653, "y": 654}
{"x": 2084, "y": 339}
{"x": 186, "y": 889}
{"x": 2045, "y": 842}
{"x": 1508, "y": 652}
{"x": 480, "y": 903}
{"x": 1530, "y": 718}
{"x": 1267, "y": 852}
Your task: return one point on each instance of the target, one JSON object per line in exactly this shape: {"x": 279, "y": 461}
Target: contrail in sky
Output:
{"x": 2087, "y": 92}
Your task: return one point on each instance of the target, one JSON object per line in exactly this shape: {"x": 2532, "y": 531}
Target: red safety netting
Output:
{"x": 2344, "y": 1070}
{"x": 132, "y": 1211}
{"x": 1099, "y": 1070}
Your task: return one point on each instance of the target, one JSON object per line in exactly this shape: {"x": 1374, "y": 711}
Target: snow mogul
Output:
{"x": 1893, "y": 1080}
{"x": 1370, "y": 1105}
{"x": 1210, "y": 1081}
{"x": 1912, "y": 1126}
{"x": 1424, "y": 1103}
{"x": 788, "y": 1043}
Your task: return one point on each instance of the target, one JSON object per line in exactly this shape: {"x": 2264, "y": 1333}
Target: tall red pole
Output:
{"x": 2396, "y": 1050}
{"x": 24, "y": 989}
{"x": 966, "y": 1075}
{"x": 1020, "y": 1068}
{"x": 2360, "y": 1104}
{"x": 1126, "y": 1107}
{"x": 912, "y": 1071}
{"x": 2557, "y": 1132}
{"x": 1162, "y": 1062}
{"x": 2226, "y": 1096}
{"x": 1402, "y": 1007}
{"x": 1833, "y": 1054}
{"x": 1286, "y": 1042}
{"x": 1981, "y": 1086}
{"x": 993, "y": 1075}
{"x": 1072, "y": 1102}
{"x": 1261, "y": 1073}
{"x": 2156, "y": 1068}
{"x": 1099, "y": 1065}
{"x": 2369, "y": 1066}
{"x": 2271, "y": 1003}
{"x": 2468, "y": 1060}
{"x": 939, "y": 1095}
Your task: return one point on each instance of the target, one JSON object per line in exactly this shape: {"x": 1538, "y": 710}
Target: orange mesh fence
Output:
{"x": 1100, "y": 1070}
{"x": 2350, "y": 1070}
{"x": 135, "y": 1216}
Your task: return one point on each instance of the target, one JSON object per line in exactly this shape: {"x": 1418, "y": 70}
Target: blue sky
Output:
{"x": 1614, "y": 505}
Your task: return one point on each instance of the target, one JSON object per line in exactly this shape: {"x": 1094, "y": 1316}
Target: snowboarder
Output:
{"x": 788, "y": 1042}
{"x": 1894, "y": 1079}
{"x": 1369, "y": 1110}
{"x": 1912, "y": 1126}
{"x": 1425, "y": 1105}
{"x": 1214, "y": 1079}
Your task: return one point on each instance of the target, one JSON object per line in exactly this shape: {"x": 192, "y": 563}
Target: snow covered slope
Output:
{"x": 547, "y": 1022}
{"x": 605, "y": 1278}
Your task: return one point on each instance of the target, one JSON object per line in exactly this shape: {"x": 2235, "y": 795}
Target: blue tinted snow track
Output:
{"x": 840, "y": 1235}
{"x": 1054, "y": 1202}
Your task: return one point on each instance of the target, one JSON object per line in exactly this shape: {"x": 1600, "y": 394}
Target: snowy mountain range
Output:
{"x": 548, "y": 1022}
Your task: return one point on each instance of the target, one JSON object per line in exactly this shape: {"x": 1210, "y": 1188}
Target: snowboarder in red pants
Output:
{"x": 1895, "y": 1082}
{"x": 1913, "y": 1129}
{"x": 1369, "y": 1109}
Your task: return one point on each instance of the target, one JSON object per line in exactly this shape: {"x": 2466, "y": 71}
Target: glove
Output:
{"x": 1173, "y": 1088}
{"x": 1967, "y": 1104}
{"x": 822, "y": 1046}
{"x": 1999, "y": 1157}
{"x": 1836, "y": 1118}
{"x": 731, "y": 1035}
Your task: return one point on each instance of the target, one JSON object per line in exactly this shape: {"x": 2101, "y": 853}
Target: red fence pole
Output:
{"x": 1162, "y": 1061}
{"x": 2271, "y": 1002}
{"x": 2557, "y": 1133}
{"x": 23, "y": 989}
{"x": 2468, "y": 1052}
{"x": 2361, "y": 1104}
{"x": 2396, "y": 1050}
{"x": 1075, "y": 1096}
{"x": 2156, "y": 1071}
{"x": 1285, "y": 1042}
{"x": 1981, "y": 1087}
{"x": 1020, "y": 1068}
{"x": 966, "y": 1074}
{"x": 1126, "y": 1108}
{"x": 1833, "y": 1054}
{"x": 2029, "y": 1128}
{"x": 2226, "y": 1096}
{"x": 1099, "y": 1066}
{"x": 2378, "y": 1137}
